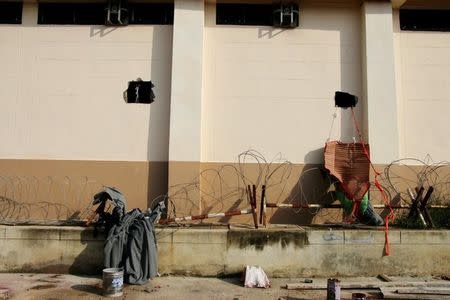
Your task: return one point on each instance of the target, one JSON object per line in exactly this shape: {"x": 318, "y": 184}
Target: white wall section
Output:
{"x": 187, "y": 71}
{"x": 62, "y": 91}
{"x": 272, "y": 89}
{"x": 379, "y": 81}
{"x": 223, "y": 89}
{"x": 423, "y": 65}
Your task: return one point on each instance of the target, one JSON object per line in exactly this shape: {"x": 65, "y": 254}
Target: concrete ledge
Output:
{"x": 370, "y": 237}
{"x": 50, "y": 249}
{"x": 418, "y": 237}
{"x": 213, "y": 252}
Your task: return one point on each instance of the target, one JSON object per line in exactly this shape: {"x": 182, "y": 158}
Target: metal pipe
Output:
{"x": 289, "y": 205}
{"x": 208, "y": 216}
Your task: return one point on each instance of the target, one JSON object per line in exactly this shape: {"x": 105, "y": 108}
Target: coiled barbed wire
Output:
{"x": 225, "y": 188}
{"x": 278, "y": 174}
{"x": 62, "y": 200}
{"x": 412, "y": 173}
{"x": 67, "y": 200}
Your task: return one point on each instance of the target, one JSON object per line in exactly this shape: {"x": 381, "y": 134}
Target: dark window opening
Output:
{"x": 424, "y": 20}
{"x": 90, "y": 14}
{"x": 11, "y": 12}
{"x": 244, "y": 14}
{"x": 151, "y": 13}
{"x": 71, "y": 13}
{"x": 95, "y": 13}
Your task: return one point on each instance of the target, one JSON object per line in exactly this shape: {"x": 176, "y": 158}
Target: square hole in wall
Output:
{"x": 140, "y": 91}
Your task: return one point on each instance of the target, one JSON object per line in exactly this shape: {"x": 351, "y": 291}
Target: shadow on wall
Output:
{"x": 159, "y": 123}
{"x": 159, "y": 72}
{"x": 90, "y": 260}
{"x": 101, "y": 30}
{"x": 350, "y": 77}
{"x": 312, "y": 187}
{"x": 270, "y": 32}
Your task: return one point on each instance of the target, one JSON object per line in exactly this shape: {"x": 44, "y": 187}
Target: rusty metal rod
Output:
{"x": 264, "y": 205}
{"x": 424, "y": 209}
{"x": 415, "y": 205}
{"x": 263, "y": 192}
{"x": 253, "y": 205}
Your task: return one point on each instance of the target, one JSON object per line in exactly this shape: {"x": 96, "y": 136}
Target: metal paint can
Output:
{"x": 333, "y": 289}
{"x": 359, "y": 296}
{"x": 113, "y": 282}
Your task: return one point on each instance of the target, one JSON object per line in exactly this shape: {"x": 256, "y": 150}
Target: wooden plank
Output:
{"x": 390, "y": 293}
{"x": 427, "y": 291}
{"x": 384, "y": 277}
{"x": 253, "y": 204}
{"x": 302, "y": 286}
{"x": 424, "y": 209}
{"x": 375, "y": 285}
{"x": 415, "y": 206}
{"x": 261, "y": 213}
{"x": 249, "y": 195}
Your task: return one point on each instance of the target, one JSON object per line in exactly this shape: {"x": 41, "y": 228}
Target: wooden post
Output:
{"x": 263, "y": 201}
{"x": 424, "y": 209}
{"x": 261, "y": 208}
{"x": 415, "y": 205}
{"x": 253, "y": 204}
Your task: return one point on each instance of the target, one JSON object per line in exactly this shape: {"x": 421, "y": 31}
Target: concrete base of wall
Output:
{"x": 286, "y": 252}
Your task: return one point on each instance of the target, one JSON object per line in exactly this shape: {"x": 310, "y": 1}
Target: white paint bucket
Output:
{"x": 113, "y": 282}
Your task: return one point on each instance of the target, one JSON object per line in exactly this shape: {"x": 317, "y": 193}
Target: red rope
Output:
{"x": 391, "y": 215}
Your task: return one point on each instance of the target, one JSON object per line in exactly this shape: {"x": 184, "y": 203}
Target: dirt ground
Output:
{"x": 51, "y": 287}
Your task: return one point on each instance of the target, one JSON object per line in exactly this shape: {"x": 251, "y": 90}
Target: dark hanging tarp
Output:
{"x": 131, "y": 240}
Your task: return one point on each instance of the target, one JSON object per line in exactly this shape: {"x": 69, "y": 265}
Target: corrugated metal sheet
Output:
{"x": 349, "y": 164}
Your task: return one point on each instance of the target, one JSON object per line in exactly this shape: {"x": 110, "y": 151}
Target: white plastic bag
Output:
{"x": 256, "y": 277}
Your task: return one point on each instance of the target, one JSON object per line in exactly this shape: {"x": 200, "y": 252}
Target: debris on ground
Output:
{"x": 415, "y": 293}
{"x": 256, "y": 277}
{"x": 387, "y": 288}
{"x": 43, "y": 286}
{"x": 384, "y": 277}
{"x": 152, "y": 289}
{"x": 4, "y": 293}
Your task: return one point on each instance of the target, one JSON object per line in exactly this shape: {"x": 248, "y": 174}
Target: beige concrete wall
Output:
{"x": 272, "y": 89}
{"x": 379, "y": 81}
{"x": 221, "y": 187}
{"x": 423, "y": 69}
{"x": 62, "y": 95}
{"x": 57, "y": 189}
{"x": 186, "y": 89}
{"x": 212, "y": 252}
{"x": 261, "y": 87}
